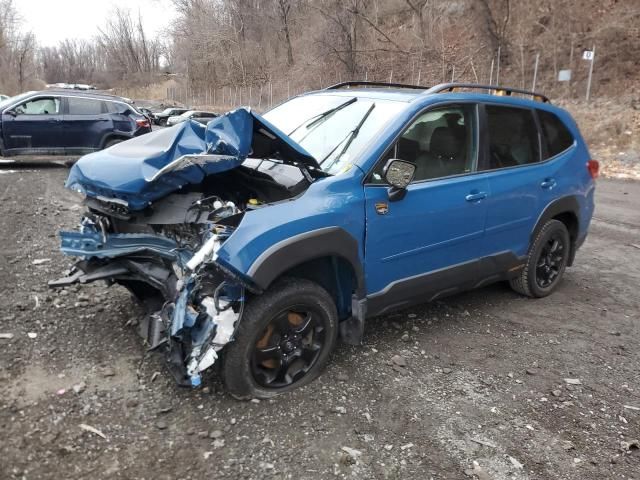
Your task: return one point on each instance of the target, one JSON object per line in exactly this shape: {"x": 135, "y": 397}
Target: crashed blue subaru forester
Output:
{"x": 256, "y": 241}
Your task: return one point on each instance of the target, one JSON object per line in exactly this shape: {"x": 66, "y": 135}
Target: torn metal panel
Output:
{"x": 95, "y": 245}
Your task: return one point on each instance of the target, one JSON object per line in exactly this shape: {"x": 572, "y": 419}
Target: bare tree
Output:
{"x": 126, "y": 45}
{"x": 24, "y": 59}
{"x": 283, "y": 8}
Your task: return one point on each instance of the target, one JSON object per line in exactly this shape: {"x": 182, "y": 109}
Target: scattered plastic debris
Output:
{"x": 483, "y": 442}
{"x": 40, "y": 261}
{"x": 572, "y": 381}
{"x": 93, "y": 430}
{"x": 515, "y": 462}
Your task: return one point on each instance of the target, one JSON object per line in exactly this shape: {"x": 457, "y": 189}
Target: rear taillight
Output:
{"x": 594, "y": 168}
{"x": 142, "y": 123}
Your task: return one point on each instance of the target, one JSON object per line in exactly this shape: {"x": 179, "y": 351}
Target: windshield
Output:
{"x": 334, "y": 139}
{"x": 5, "y": 103}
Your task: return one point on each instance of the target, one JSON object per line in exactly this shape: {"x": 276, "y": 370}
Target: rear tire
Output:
{"x": 546, "y": 262}
{"x": 113, "y": 141}
{"x": 283, "y": 340}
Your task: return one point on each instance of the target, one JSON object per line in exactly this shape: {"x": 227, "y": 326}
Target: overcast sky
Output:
{"x": 55, "y": 20}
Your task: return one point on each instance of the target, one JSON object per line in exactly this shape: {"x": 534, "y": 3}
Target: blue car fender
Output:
{"x": 325, "y": 221}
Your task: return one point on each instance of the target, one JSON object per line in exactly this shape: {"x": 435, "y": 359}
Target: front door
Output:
{"x": 33, "y": 126}
{"x": 428, "y": 243}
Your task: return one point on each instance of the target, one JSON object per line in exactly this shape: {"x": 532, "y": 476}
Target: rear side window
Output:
{"x": 117, "y": 107}
{"x": 84, "y": 106}
{"x": 513, "y": 137}
{"x": 557, "y": 137}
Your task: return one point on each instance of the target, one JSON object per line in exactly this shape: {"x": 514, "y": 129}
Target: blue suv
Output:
{"x": 64, "y": 122}
{"x": 256, "y": 241}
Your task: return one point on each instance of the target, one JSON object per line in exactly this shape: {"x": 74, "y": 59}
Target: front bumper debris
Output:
{"x": 201, "y": 303}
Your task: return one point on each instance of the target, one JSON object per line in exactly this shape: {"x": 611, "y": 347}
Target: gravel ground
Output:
{"x": 484, "y": 385}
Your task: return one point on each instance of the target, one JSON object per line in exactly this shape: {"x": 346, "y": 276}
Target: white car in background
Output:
{"x": 197, "y": 115}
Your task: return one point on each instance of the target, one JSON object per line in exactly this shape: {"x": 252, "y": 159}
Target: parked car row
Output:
{"x": 198, "y": 116}
{"x": 65, "y": 122}
{"x": 60, "y": 121}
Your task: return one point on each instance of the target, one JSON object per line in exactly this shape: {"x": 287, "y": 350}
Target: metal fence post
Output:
{"x": 593, "y": 59}
{"x": 535, "y": 73}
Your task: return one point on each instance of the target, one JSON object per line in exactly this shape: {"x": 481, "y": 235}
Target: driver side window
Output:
{"x": 440, "y": 142}
{"x": 39, "y": 106}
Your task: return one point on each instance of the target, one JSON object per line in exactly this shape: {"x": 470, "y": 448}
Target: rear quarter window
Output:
{"x": 556, "y": 135}
{"x": 84, "y": 106}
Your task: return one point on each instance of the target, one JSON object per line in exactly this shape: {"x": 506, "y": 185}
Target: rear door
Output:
{"x": 517, "y": 178}
{"x": 33, "y": 126}
{"x": 429, "y": 242}
{"x": 86, "y": 124}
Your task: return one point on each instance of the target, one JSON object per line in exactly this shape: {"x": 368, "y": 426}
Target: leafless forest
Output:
{"x": 295, "y": 45}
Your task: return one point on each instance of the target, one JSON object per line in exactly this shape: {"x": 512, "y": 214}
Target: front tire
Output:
{"x": 546, "y": 262}
{"x": 283, "y": 341}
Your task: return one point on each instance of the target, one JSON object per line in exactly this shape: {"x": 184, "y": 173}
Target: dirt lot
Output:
{"x": 484, "y": 379}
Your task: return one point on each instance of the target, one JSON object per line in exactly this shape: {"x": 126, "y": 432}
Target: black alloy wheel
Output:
{"x": 289, "y": 347}
{"x": 546, "y": 262}
{"x": 283, "y": 340}
{"x": 551, "y": 261}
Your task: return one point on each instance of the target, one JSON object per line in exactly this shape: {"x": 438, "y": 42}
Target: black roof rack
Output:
{"x": 375, "y": 84}
{"x": 506, "y": 91}
{"x": 445, "y": 87}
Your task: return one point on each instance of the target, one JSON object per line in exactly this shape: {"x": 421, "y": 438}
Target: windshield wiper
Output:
{"x": 316, "y": 119}
{"x": 351, "y": 136}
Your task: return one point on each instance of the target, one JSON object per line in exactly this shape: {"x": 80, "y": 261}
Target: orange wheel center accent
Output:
{"x": 263, "y": 342}
{"x": 295, "y": 319}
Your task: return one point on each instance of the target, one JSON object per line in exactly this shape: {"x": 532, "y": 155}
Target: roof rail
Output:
{"x": 374, "y": 84}
{"x": 498, "y": 90}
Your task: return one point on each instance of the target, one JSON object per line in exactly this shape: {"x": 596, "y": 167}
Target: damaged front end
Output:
{"x": 158, "y": 210}
{"x": 193, "y": 305}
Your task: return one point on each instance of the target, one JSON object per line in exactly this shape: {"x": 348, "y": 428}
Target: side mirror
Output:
{"x": 399, "y": 174}
{"x": 13, "y": 113}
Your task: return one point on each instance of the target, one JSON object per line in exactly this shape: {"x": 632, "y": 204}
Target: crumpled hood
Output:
{"x": 147, "y": 168}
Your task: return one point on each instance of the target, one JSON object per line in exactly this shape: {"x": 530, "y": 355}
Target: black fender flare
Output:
{"x": 568, "y": 204}
{"x": 293, "y": 251}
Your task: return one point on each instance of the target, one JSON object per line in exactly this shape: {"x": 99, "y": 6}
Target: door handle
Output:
{"x": 475, "y": 196}
{"x": 548, "y": 183}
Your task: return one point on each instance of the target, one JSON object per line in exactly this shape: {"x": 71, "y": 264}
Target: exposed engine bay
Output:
{"x": 162, "y": 246}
